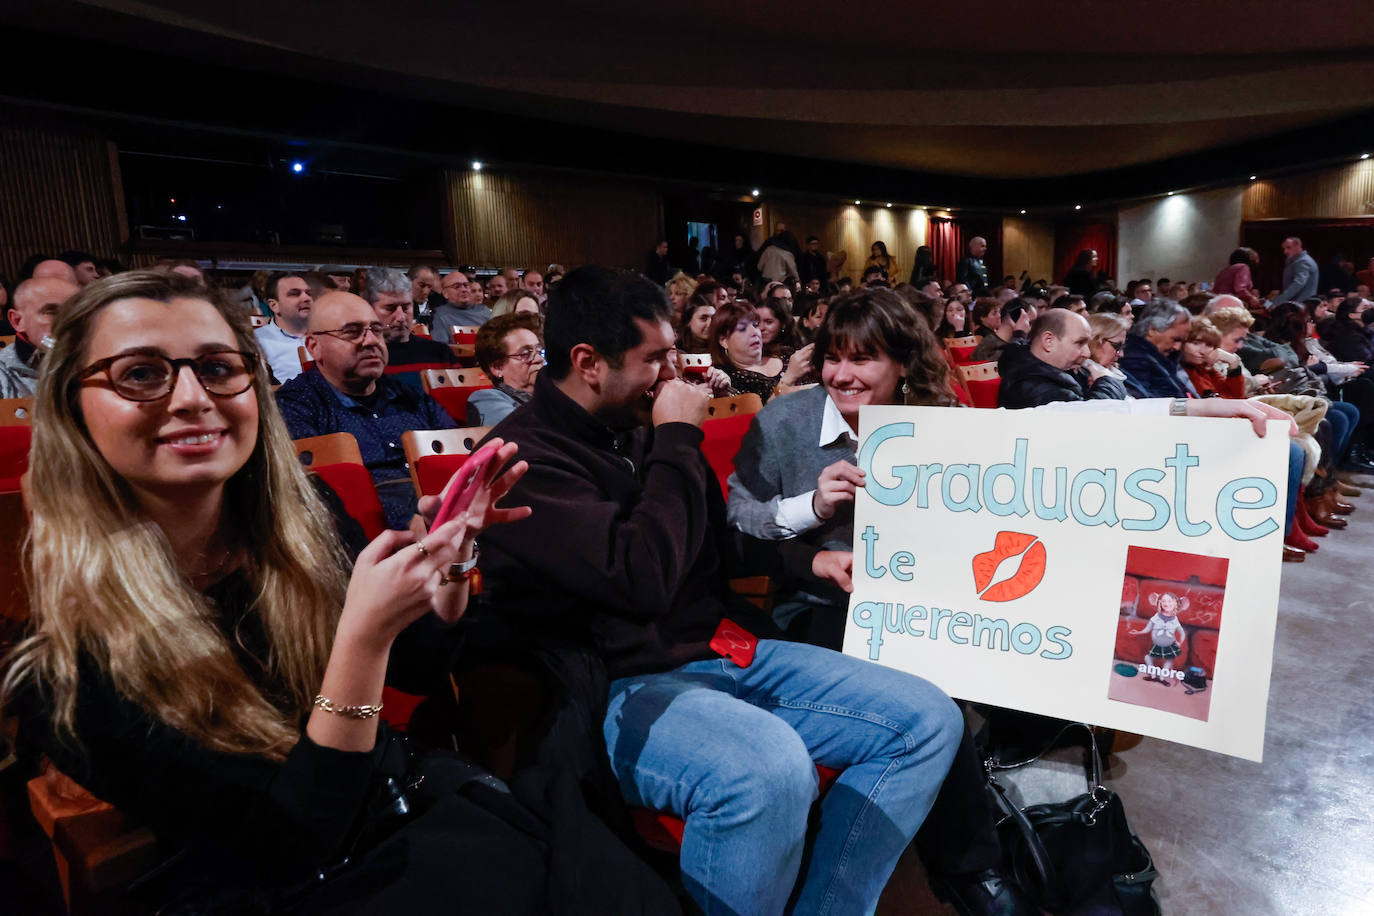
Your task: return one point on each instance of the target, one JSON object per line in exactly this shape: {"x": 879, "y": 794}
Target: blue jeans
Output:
{"x": 733, "y": 750}
{"x": 1296, "y": 457}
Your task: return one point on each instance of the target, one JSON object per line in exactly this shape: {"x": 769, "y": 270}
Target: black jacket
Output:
{"x": 1028, "y": 381}
{"x": 1149, "y": 373}
{"x": 628, "y": 546}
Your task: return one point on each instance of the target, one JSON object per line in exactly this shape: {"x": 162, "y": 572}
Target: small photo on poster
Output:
{"x": 1167, "y": 631}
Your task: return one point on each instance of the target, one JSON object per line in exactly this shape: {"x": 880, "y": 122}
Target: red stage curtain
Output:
{"x": 949, "y": 238}
{"x": 1071, "y": 238}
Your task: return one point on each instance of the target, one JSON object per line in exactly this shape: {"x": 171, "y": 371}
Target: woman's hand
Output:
{"x": 798, "y": 366}
{"x": 482, "y": 513}
{"x": 835, "y": 566}
{"x": 395, "y": 581}
{"x": 837, "y": 484}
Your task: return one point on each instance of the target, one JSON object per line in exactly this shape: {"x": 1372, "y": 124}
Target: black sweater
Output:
{"x": 628, "y": 548}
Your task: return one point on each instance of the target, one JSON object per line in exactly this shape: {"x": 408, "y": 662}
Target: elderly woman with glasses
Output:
{"x": 510, "y": 352}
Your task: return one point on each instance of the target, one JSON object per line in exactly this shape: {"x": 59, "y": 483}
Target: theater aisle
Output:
{"x": 1293, "y": 834}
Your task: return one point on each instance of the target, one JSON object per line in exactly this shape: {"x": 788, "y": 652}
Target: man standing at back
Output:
{"x": 613, "y": 440}
{"x": 288, "y": 296}
{"x": 1300, "y": 273}
{"x": 971, "y": 271}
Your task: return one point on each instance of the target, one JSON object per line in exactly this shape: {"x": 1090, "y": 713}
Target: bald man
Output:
{"x": 1050, "y": 366}
{"x": 31, "y": 312}
{"x": 348, "y": 392}
{"x": 971, "y": 271}
{"x": 53, "y": 269}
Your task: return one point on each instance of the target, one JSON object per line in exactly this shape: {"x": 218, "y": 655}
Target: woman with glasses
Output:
{"x": 509, "y": 351}
{"x": 1108, "y": 342}
{"x": 200, "y": 654}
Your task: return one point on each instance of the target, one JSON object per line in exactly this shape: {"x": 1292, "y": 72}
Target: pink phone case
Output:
{"x": 462, "y": 492}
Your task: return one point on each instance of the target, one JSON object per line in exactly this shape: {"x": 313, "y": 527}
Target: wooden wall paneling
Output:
{"x": 853, "y": 230}
{"x": 524, "y": 220}
{"x": 56, "y": 192}
{"x": 1028, "y": 245}
{"x": 1335, "y": 193}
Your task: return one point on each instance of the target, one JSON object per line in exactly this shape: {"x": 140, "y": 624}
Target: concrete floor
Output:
{"x": 1291, "y": 835}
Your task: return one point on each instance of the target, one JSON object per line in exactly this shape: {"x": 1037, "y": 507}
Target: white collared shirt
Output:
{"x": 281, "y": 350}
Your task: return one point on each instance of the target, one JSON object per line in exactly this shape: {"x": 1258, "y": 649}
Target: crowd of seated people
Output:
{"x": 261, "y": 757}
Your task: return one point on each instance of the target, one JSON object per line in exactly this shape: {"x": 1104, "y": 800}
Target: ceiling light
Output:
{"x": 1023, "y": 212}
{"x": 1253, "y": 177}
{"x": 889, "y": 206}
{"x": 1364, "y": 155}
{"x": 856, "y": 203}
{"x": 1171, "y": 193}
{"x": 1078, "y": 206}
{"x": 477, "y": 165}
{"x": 298, "y": 167}
{"x": 173, "y": 199}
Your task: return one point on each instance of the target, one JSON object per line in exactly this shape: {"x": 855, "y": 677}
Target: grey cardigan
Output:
{"x": 781, "y": 457}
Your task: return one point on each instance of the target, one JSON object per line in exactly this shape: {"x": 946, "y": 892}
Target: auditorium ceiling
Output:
{"x": 1004, "y": 89}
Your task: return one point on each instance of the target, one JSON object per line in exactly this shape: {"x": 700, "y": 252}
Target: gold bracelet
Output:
{"x": 348, "y": 712}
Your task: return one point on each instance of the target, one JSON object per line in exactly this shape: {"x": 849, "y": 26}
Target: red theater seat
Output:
{"x": 15, "y": 437}
{"x": 336, "y": 459}
{"x": 983, "y": 381}
{"x": 435, "y": 455}
{"x": 452, "y": 387}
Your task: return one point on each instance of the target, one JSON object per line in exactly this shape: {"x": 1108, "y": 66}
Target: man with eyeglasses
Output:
{"x": 389, "y": 292}
{"x": 349, "y": 393}
{"x": 288, "y": 296}
{"x": 460, "y": 308}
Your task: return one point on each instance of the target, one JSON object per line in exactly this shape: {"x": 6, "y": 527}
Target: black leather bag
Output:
{"x": 1077, "y": 856}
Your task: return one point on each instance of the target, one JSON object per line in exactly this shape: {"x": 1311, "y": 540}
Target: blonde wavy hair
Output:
{"x": 103, "y": 579}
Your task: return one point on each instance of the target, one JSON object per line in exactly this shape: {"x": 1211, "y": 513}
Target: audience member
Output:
{"x": 459, "y": 309}
{"x": 515, "y": 302}
{"x": 777, "y": 264}
{"x": 36, "y": 304}
{"x": 1013, "y": 319}
{"x": 775, "y": 321}
{"x": 656, "y": 265}
{"x": 1053, "y": 365}
{"x": 612, "y": 439}
{"x": 812, "y": 266}
{"x": 1203, "y": 359}
{"x": 971, "y": 271}
{"x": 1151, "y": 358}
{"x": 1140, "y": 293}
{"x": 389, "y": 292}
{"x": 923, "y": 266}
{"x": 680, "y": 288}
{"x": 1345, "y": 334}
{"x": 495, "y": 289}
{"x": 424, "y": 291}
{"x": 694, "y": 331}
{"x": 50, "y": 269}
{"x": 1299, "y": 272}
{"x": 532, "y": 282}
{"x": 879, "y": 258}
{"x": 212, "y": 670}
{"x": 737, "y": 350}
{"x": 1108, "y": 342}
{"x": 1081, "y": 279}
{"x": 810, "y": 314}
{"x": 83, "y": 265}
{"x": 955, "y": 320}
{"x": 349, "y": 393}
{"x": 509, "y": 351}
{"x": 986, "y": 316}
{"x": 186, "y": 267}
{"x": 289, "y": 300}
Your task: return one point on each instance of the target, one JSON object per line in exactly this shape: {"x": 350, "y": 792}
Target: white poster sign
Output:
{"x": 1117, "y": 570}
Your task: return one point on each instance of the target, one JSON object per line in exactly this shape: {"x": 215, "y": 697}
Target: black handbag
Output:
{"x": 1077, "y": 856}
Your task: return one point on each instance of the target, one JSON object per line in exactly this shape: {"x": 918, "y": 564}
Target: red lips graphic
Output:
{"x": 1028, "y": 575}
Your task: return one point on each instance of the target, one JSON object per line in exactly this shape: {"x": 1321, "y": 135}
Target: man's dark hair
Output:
{"x": 74, "y": 257}
{"x": 1131, "y": 287}
{"x": 597, "y": 306}
{"x": 811, "y": 238}
{"x": 270, "y": 287}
